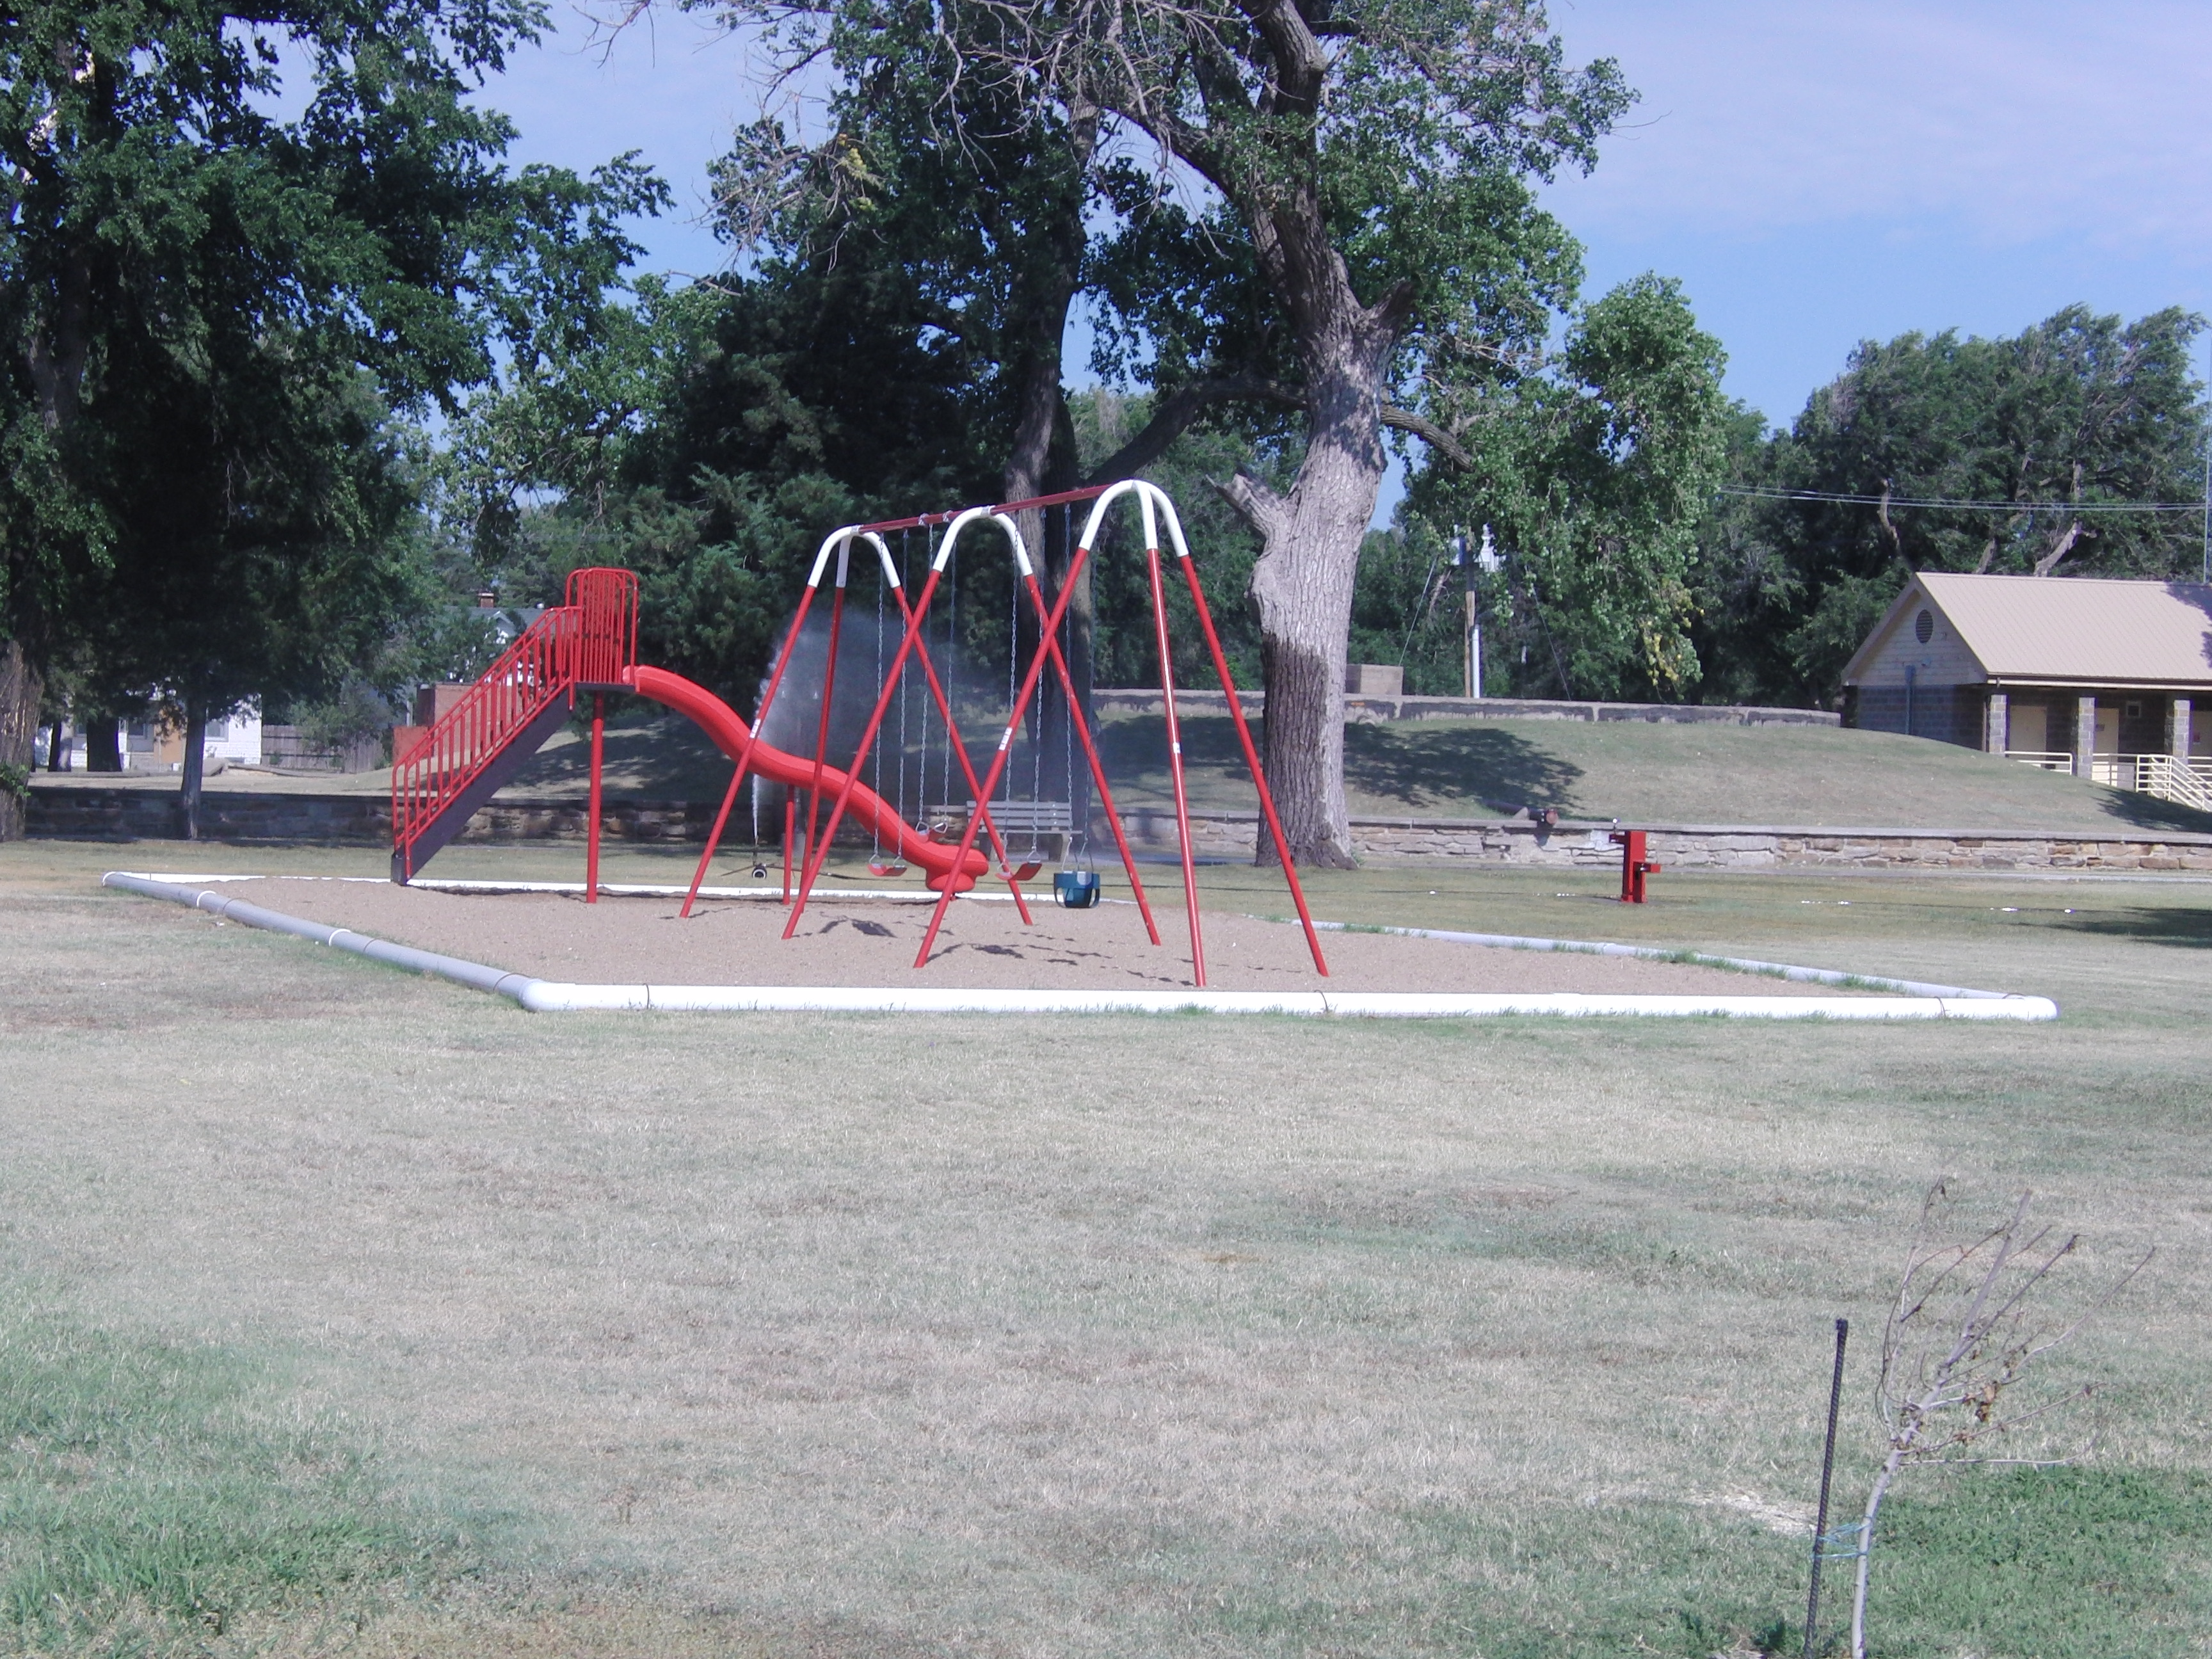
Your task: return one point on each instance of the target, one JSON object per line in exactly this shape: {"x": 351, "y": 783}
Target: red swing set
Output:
{"x": 967, "y": 866}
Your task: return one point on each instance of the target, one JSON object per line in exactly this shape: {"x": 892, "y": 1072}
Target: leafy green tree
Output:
{"x": 1593, "y": 472}
{"x": 175, "y": 249}
{"x": 1366, "y": 226}
{"x": 2028, "y": 436}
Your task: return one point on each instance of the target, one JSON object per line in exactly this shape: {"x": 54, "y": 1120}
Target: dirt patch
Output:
{"x": 983, "y": 945}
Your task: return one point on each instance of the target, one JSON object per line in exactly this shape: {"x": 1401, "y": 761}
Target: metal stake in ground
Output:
{"x": 1828, "y": 1470}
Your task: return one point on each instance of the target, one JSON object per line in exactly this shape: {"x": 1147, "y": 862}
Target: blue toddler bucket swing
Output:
{"x": 1075, "y": 888}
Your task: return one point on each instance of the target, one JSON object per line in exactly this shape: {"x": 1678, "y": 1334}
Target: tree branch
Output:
{"x": 1429, "y": 434}
{"x": 1256, "y": 503}
{"x": 1179, "y": 408}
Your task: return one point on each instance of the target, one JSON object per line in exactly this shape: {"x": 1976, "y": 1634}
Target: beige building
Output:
{"x": 2104, "y": 679}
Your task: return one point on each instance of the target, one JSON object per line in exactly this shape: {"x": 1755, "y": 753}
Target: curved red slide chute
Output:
{"x": 719, "y": 721}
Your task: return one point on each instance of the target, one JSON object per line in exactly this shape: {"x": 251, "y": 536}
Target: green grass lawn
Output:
{"x": 1651, "y": 773}
{"x": 869, "y": 1336}
{"x": 1633, "y": 771}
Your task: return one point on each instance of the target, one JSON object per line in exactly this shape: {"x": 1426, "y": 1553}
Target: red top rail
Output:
{"x": 925, "y": 520}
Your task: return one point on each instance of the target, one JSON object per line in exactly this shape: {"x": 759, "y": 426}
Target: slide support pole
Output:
{"x": 592, "y": 829}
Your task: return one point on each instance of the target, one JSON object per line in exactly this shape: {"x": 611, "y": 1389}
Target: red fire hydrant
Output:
{"x": 1634, "y": 866}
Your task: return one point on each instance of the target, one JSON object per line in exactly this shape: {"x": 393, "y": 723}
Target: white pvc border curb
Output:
{"x": 550, "y": 996}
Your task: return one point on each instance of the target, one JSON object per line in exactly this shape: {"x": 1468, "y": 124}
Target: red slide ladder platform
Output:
{"x": 506, "y": 716}
{"x": 590, "y": 644}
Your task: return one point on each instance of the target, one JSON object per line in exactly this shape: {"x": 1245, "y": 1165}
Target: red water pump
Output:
{"x": 1634, "y": 866}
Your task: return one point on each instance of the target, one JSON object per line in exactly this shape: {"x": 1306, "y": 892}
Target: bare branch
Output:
{"x": 1259, "y": 505}
{"x": 1175, "y": 412}
{"x": 1429, "y": 434}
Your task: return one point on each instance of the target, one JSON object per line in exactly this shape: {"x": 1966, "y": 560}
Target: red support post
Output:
{"x": 1049, "y": 625}
{"x": 1252, "y": 760}
{"x": 1174, "y": 749}
{"x": 1048, "y": 646}
{"x": 592, "y": 832}
{"x": 829, "y": 696}
{"x": 817, "y": 855}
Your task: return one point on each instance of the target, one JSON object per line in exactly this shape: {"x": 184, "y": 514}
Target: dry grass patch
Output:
{"x": 1117, "y": 1335}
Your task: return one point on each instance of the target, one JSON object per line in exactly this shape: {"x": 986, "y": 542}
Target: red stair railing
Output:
{"x": 592, "y": 640}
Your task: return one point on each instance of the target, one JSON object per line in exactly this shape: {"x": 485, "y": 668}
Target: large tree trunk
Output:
{"x": 103, "y": 743}
{"x": 194, "y": 768}
{"x": 1302, "y": 584}
{"x": 1310, "y": 538}
{"x": 21, "y": 688}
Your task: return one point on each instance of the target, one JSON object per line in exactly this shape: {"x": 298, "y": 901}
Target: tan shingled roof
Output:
{"x": 2070, "y": 629}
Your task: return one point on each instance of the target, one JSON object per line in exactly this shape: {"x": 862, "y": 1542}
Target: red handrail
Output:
{"x": 591, "y": 639}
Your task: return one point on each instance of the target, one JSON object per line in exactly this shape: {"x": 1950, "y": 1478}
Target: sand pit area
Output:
{"x": 842, "y": 941}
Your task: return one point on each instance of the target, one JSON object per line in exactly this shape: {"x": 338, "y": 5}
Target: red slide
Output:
{"x": 719, "y": 721}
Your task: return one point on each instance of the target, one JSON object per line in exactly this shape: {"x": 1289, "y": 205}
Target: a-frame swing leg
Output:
{"x": 1049, "y": 649}
{"x": 967, "y": 766}
{"x": 821, "y": 732}
{"x": 1051, "y": 625}
{"x": 1175, "y": 752}
{"x": 1252, "y": 760}
{"x": 745, "y": 756}
{"x": 815, "y": 856}
{"x": 591, "y": 830}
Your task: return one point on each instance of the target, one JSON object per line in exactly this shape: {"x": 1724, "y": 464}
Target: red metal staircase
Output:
{"x": 588, "y": 643}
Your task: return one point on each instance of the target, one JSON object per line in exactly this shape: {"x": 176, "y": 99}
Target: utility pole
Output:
{"x": 1485, "y": 561}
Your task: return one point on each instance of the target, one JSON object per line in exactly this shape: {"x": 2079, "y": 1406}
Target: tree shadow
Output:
{"x": 664, "y": 757}
{"x": 1427, "y": 766}
{"x": 1438, "y": 770}
{"x": 2149, "y": 812}
{"x": 2189, "y": 928}
{"x": 1135, "y": 746}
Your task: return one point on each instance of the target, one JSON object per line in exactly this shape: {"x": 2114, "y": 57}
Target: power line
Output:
{"x": 2058, "y": 507}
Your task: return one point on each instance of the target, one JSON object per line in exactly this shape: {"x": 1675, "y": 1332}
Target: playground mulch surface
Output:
{"x": 843, "y": 940}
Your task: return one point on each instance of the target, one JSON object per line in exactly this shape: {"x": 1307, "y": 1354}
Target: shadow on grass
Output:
{"x": 2191, "y": 928}
{"x": 2149, "y": 812}
{"x": 1421, "y": 769}
{"x": 1416, "y": 767}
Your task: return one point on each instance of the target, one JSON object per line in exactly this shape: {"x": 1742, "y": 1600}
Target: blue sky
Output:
{"x": 1815, "y": 174}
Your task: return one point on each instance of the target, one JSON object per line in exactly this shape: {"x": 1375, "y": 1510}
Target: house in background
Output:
{"x": 2108, "y": 680}
{"x": 148, "y": 744}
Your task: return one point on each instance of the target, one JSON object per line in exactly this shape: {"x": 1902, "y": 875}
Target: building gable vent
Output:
{"x": 1923, "y": 627}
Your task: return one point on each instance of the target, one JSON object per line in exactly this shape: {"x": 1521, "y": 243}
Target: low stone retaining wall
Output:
{"x": 1142, "y": 701}
{"x": 1521, "y": 842}
{"x": 238, "y": 814}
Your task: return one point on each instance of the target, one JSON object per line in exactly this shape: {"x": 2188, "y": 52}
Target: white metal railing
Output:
{"x": 2169, "y": 777}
